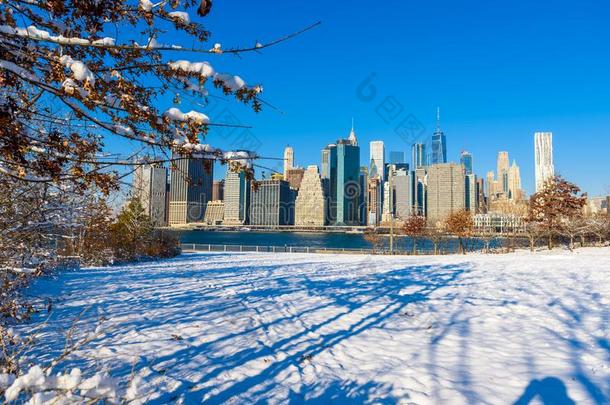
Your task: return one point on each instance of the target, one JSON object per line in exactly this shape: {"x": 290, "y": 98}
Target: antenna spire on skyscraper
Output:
{"x": 438, "y": 118}
{"x": 352, "y": 135}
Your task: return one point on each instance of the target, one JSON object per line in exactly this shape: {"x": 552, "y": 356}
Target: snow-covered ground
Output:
{"x": 246, "y": 328}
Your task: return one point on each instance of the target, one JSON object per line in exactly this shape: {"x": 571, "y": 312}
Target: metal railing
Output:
{"x": 206, "y": 247}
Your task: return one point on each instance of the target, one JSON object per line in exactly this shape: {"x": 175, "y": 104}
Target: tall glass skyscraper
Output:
{"x": 347, "y": 183}
{"x": 341, "y": 162}
{"x": 418, "y": 156}
{"x": 439, "y": 143}
{"x": 466, "y": 161}
{"x": 377, "y": 166}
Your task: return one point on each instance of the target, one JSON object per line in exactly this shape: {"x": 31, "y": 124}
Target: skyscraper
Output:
{"x": 236, "y": 198}
{"x": 150, "y": 187}
{"x": 218, "y": 189}
{"x": 397, "y": 157}
{"x": 403, "y": 196}
{"x": 363, "y": 180}
{"x": 503, "y": 166}
{"x": 514, "y": 182}
{"x": 446, "y": 191}
{"x": 344, "y": 173}
{"x": 288, "y": 159}
{"x": 294, "y": 176}
{"x": 272, "y": 203}
{"x": 374, "y": 201}
{"x": 377, "y": 166}
{"x": 543, "y": 151}
{"x": 466, "y": 161}
{"x": 190, "y": 190}
{"x": 491, "y": 183}
{"x": 481, "y": 201}
{"x": 418, "y": 156}
{"x": 439, "y": 142}
{"x": 419, "y": 191}
{"x": 311, "y": 202}
{"x": 347, "y": 183}
{"x": 326, "y": 162}
{"x": 470, "y": 191}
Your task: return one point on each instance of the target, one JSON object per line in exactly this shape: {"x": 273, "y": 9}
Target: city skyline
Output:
{"x": 488, "y": 102}
{"x": 485, "y": 160}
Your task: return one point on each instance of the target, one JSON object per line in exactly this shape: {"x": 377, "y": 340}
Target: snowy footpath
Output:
{"x": 296, "y": 328}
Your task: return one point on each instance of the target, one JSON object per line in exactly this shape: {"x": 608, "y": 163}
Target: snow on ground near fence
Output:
{"x": 277, "y": 328}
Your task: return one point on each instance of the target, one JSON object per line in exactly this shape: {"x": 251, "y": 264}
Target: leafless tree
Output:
{"x": 599, "y": 225}
{"x": 372, "y": 237}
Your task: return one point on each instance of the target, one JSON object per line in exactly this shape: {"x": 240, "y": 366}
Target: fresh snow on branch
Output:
{"x": 79, "y": 69}
{"x": 34, "y": 33}
{"x": 243, "y": 158}
{"x": 234, "y": 83}
{"x": 123, "y": 130}
{"x": 180, "y": 16}
{"x": 71, "y": 87}
{"x": 203, "y": 69}
{"x": 146, "y": 5}
{"x": 174, "y": 114}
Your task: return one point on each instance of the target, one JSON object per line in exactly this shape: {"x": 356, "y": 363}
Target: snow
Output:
{"x": 70, "y": 87}
{"x": 106, "y": 41}
{"x": 180, "y": 16}
{"x": 276, "y": 328}
{"x": 18, "y": 70}
{"x": 79, "y": 69}
{"x": 123, "y": 130}
{"x": 234, "y": 83}
{"x": 32, "y": 32}
{"x": 46, "y": 388}
{"x": 174, "y": 114}
{"x": 203, "y": 69}
{"x": 146, "y": 5}
{"x": 243, "y": 158}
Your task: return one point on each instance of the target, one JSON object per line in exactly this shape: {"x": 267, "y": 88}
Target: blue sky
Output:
{"x": 498, "y": 70}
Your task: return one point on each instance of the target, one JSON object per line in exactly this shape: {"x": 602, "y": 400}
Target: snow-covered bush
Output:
{"x": 42, "y": 386}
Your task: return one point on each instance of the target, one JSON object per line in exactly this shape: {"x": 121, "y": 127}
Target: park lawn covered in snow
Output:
{"x": 246, "y": 328}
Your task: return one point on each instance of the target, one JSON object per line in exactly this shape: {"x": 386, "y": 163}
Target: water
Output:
{"x": 318, "y": 240}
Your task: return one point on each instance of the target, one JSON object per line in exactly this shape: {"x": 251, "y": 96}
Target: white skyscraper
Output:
{"x": 543, "y": 145}
{"x": 288, "y": 159}
{"x": 377, "y": 161}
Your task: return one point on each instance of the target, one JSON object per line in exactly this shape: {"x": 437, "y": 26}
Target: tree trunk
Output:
{"x": 414, "y": 246}
{"x": 571, "y": 243}
{"x": 550, "y": 242}
{"x": 532, "y": 244}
